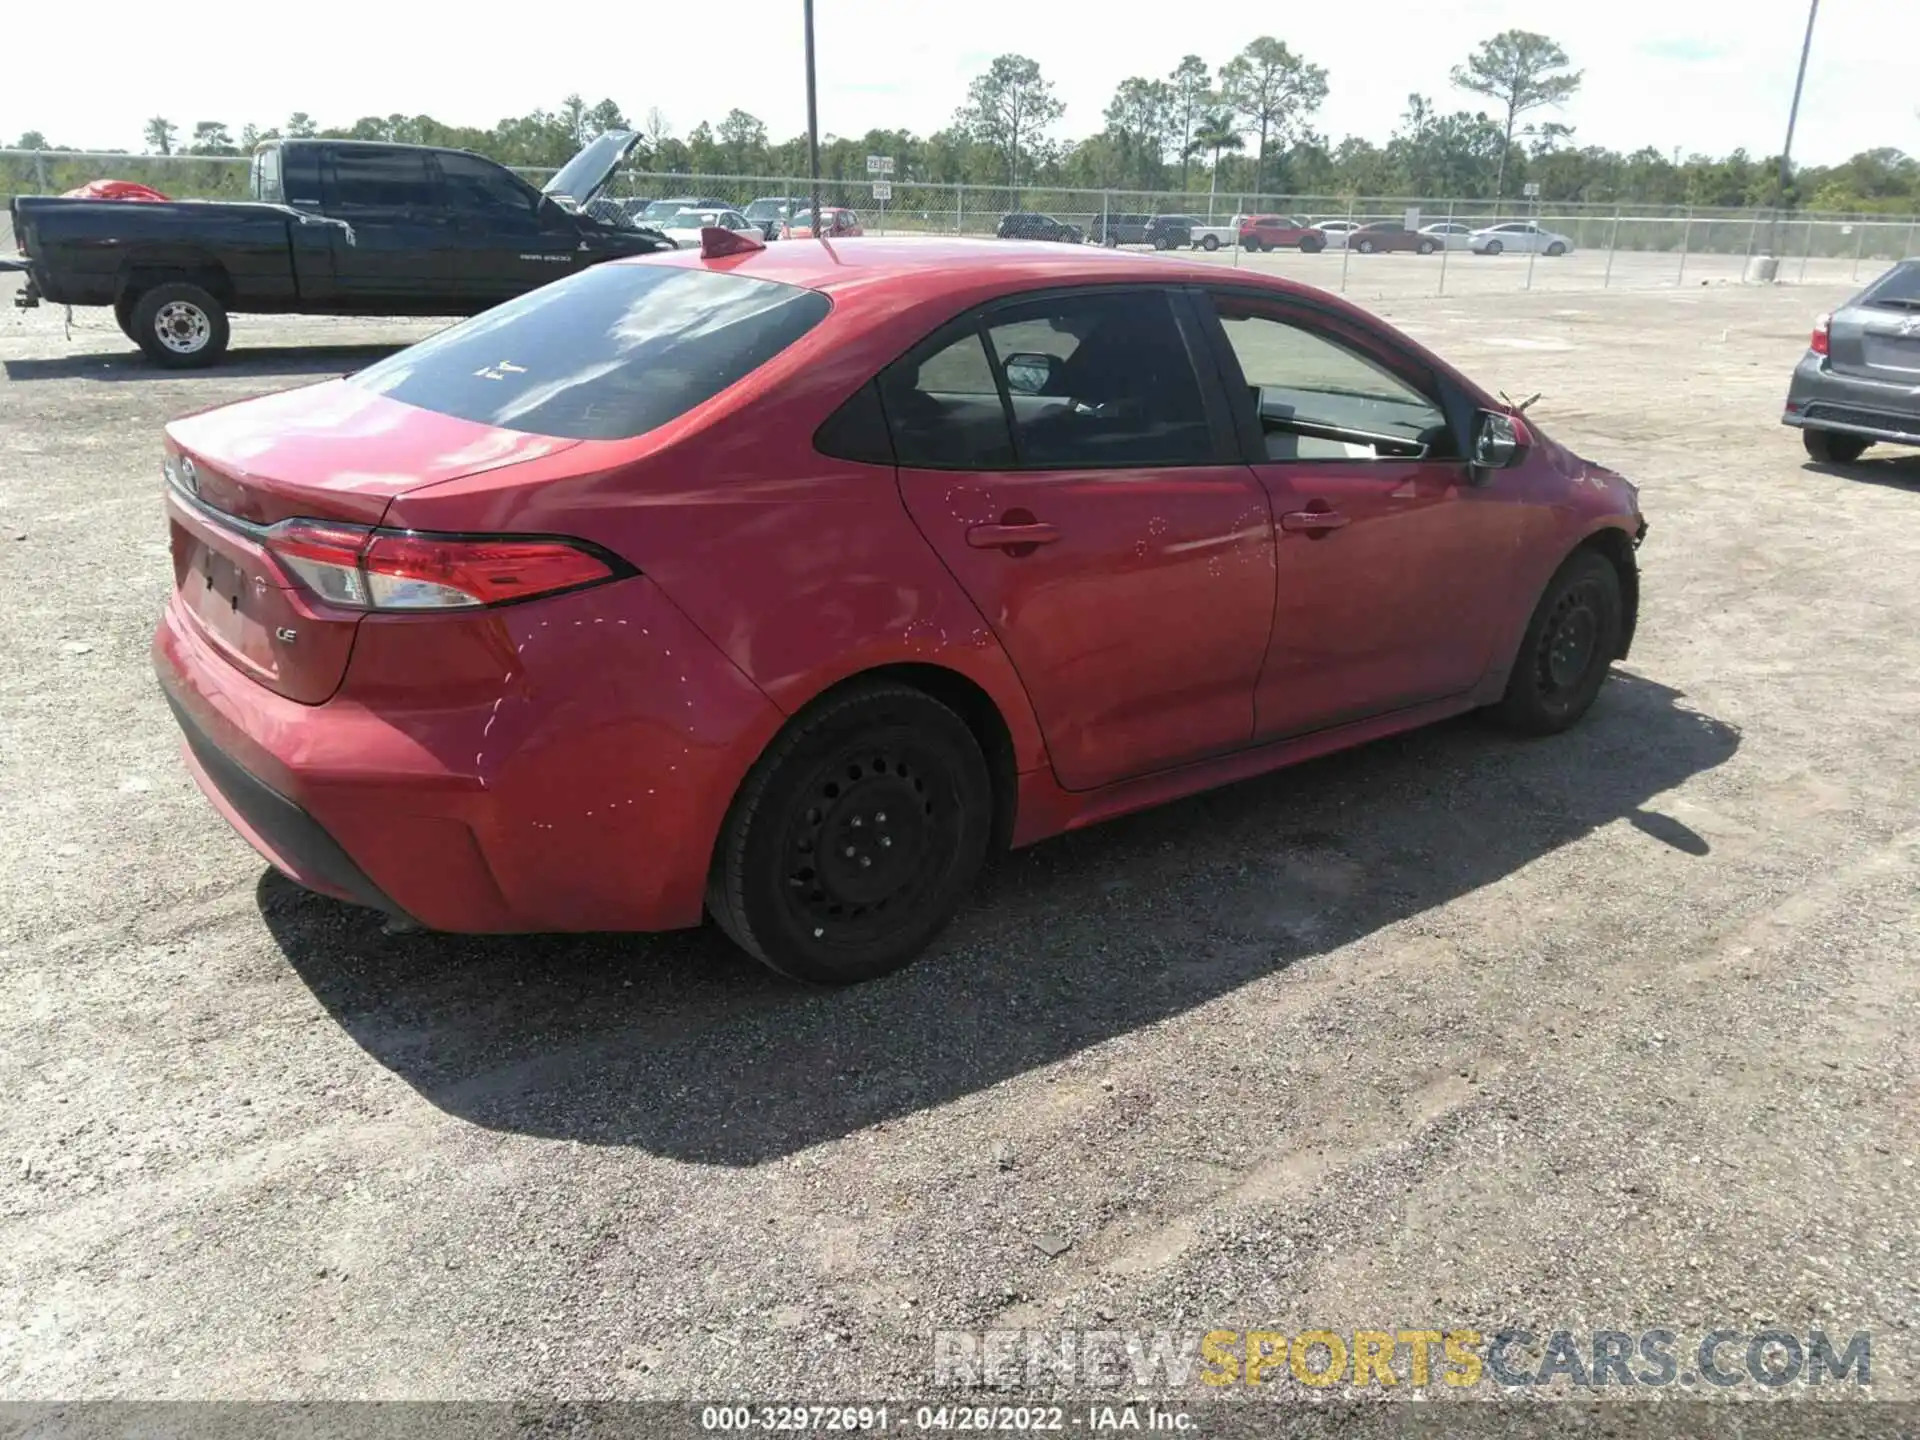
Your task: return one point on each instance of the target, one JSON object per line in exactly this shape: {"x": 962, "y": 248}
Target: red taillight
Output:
{"x": 1820, "y": 338}
{"x": 366, "y": 569}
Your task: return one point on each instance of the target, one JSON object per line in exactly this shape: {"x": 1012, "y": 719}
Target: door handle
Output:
{"x": 1313, "y": 522}
{"x": 1011, "y": 537}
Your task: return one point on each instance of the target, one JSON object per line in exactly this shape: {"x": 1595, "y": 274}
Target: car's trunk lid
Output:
{"x": 330, "y": 453}
{"x": 1878, "y": 342}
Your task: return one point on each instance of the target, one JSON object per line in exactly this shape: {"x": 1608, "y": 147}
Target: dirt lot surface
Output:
{"x": 1619, "y": 1029}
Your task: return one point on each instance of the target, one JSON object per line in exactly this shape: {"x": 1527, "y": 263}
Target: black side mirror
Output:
{"x": 1496, "y": 441}
{"x": 1031, "y": 373}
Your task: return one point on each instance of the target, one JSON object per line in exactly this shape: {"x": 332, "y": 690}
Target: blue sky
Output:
{"x": 1704, "y": 75}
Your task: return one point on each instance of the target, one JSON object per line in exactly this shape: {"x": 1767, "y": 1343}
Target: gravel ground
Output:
{"x": 1615, "y": 1030}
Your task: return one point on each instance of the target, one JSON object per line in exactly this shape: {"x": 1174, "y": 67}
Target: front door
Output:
{"x": 504, "y": 238}
{"x": 1393, "y": 557}
{"x": 1063, "y": 458}
{"x": 399, "y": 253}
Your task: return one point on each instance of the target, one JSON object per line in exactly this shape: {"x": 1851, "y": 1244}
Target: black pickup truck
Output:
{"x": 335, "y": 227}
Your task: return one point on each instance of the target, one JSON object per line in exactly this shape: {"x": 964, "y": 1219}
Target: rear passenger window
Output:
{"x": 378, "y": 179}
{"x": 946, "y": 412}
{"x": 1101, "y": 381}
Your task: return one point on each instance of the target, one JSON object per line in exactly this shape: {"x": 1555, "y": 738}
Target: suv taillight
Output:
{"x": 409, "y": 570}
{"x": 1821, "y": 338}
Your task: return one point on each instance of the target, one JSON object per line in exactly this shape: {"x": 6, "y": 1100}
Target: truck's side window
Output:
{"x": 477, "y": 186}
{"x": 374, "y": 178}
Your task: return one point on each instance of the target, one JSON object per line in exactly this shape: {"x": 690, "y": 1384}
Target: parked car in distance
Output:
{"x": 539, "y": 624}
{"x": 1224, "y": 232}
{"x": 1281, "y": 232}
{"x": 684, "y": 229}
{"x": 1519, "y": 236}
{"x": 1118, "y": 229}
{"x": 1389, "y": 236}
{"x": 1169, "y": 232}
{"x": 1031, "y": 225}
{"x": 840, "y": 224}
{"x": 1859, "y": 382}
{"x": 1337, "y": 231}
{"x": 1449, "y": 234}
{"x": 335, "y": 227}
{"x": 771, "y": 212}
{"x": 660, "y": 210}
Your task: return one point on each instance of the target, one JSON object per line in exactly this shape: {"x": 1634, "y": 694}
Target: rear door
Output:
{"x": 401, "y": 251}
{"x": 1393, "y": 562}
{"x": 502, "y": 240}
{"x": 1067, "y": 461}
{"x": 1877, "y": 335}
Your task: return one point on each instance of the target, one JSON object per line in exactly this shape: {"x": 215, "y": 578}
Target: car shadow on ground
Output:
{"x": 678, "y": 1045}
{"x": 1896, "y": 469}
{"x": 253, "y": 362}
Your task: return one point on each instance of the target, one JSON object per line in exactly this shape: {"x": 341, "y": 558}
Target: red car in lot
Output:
{"x": 1390, "y": 236}
{"x": 841, "y": 224}
{"x": 783, "y": 583}
{"x": 1280, "y": 232}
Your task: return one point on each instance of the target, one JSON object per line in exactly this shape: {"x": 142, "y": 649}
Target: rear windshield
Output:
{"x": 1899, "y": 288}
{"x": 607, "y": 354}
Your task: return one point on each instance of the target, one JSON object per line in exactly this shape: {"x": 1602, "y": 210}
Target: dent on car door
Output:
{"x": 1393, "y": 560}
{"x": 1095, "y": 510}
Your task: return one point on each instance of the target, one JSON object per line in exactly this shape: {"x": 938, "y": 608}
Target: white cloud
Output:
{"x": 1703, "y": 75}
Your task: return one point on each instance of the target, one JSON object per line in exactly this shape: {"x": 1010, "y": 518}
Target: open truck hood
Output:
{"x": 586, "y": 174}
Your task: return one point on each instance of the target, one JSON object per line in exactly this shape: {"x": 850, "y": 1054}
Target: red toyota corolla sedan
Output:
{"x": 785, "y": 584}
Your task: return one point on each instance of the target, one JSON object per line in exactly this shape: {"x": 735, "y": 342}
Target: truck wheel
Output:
{"x": 1210, "y": 242}
{"x": 180, "y": 326}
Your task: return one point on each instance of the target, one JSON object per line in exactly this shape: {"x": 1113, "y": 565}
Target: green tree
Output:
{"x": 1275, "y": 89}
{"x": 604, "y": 117}
{"x": 1191, "y": 92}
{"x": 33, "y": 140}
{"x": 1218, "y": 131}
{"x": 1523, "y": 71}
{"x": 743, "y": 143}
{"x": 1008, "y": 108}
{"x": 1140, "y": 119}
{"x": 210, "y": 137}
{"x": 300, "y": 126}
{"x": 160, "y": 133}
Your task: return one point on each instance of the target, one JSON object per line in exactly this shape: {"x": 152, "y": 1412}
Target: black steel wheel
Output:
{"x": 1832, "y": 448}
{"x": 855, "y": 837}
{"x": 1570, "y": 643}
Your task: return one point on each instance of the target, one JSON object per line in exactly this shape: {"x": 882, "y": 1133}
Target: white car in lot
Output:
{"x": 1519, "y": 237}
{"x": 1449, "y": 234}
{"x": 1337, "y": 231}
{"x": 684, "y": 228}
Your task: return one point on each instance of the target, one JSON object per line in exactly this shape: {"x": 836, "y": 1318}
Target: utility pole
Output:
{"x": 813, "y": 121}
{"x": 1786, "y": 150}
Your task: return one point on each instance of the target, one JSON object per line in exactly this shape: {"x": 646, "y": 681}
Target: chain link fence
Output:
{"x": 1580, "y": 247}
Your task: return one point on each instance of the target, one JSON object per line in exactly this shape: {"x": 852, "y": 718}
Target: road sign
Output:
{"x": 883, "y": 190}
{"x": 879, "y": 164}
{"x": 1531, "y": 190}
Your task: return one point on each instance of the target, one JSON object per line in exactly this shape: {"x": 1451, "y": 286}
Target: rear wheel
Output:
{"x": 1570, "y": 643}
{"x": 1494, "y": 247}
{"x": 1310, "y": 246}
{"x": 180, "y": 326}
{"x": 1426, "y": 247}
{"x": 1556, "y": 248}
{"x": 855, "y": 836}
{"x": 1210, "y": 242}
{"x": 1830, "y": 448}
{"x": 1365, "y": 247}
{"x": 1252, "y": 244}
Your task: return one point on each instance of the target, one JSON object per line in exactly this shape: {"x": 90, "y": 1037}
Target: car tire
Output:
{"x": 1312, "y": 247}
{"x": 1425, "y": 247}
{"x": 1210, "y": 243}
{"x": 1160, "y": 242}
{"x": 1252, "y": 245}
{"x": 1569, "y": 645}
{"x": 1556, "y": 249}
{"x": 180, "y": 326}
{"x": 1832, "y": 448}
{"x": 1365, "y": 247}
{"x": 1494, "y": 247}
{"x": 881, "y": 770}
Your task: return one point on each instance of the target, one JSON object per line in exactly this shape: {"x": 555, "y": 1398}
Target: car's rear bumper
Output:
{"x": 567, "y": 769}
{"x": 1821, "y": 399}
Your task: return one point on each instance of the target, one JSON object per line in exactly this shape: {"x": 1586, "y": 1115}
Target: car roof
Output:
{"x": 932, "y": 266}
